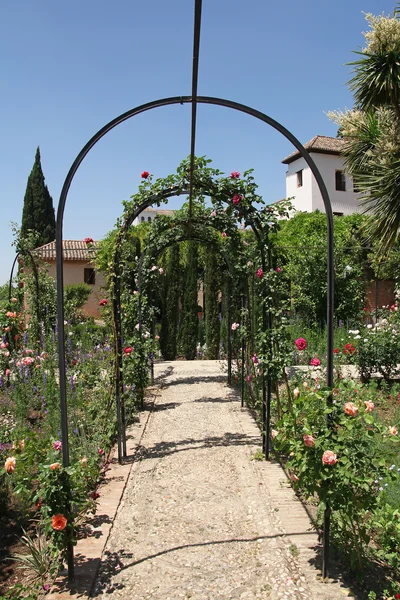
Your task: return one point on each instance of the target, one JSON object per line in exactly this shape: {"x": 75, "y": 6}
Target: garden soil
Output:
{"x": 199, "y": 518}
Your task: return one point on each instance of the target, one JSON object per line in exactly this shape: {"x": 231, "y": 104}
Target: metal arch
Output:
{"x": 59, "y": 253}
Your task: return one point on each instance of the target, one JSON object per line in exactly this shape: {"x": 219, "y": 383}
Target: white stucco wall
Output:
{"x": 146, "y": 214}
{"x": 308, "y": 198}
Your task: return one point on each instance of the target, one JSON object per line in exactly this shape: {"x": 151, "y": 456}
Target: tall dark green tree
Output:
{"x": 211, "y": 285}
{"x": 170, "y": 314}
{"x": 38, "y": 212}
{"x": 190, "y": 322}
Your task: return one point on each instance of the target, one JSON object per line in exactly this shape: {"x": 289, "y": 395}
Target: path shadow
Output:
{"x": 165, "y": 406}
{"x": 113, "y": 562}
{"x": 193, "y": 380}
{"x": 162, "y": 449}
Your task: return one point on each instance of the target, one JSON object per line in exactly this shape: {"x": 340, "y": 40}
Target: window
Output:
{"x": 299, "y": 175}
{"x": 149, "y": 219}
{"x": 340, "y": 181}
{"x": 89, "y": 276}
{"x": 142, "y": 220}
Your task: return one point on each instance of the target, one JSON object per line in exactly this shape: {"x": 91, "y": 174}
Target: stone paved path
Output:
{"x": 196, "y": 520}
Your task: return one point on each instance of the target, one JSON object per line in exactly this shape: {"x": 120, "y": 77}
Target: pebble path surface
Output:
{"x": 195, "y": 521}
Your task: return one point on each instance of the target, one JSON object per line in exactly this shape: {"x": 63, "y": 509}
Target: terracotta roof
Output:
{"x": 72, "y": 250}
{"x": 320, "y": 143}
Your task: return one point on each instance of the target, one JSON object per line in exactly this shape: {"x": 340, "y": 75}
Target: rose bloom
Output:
{"x": 369, "y": 406}
{"x": 315, "y": 362}
{"x": 55, "y": 466}
{"x": 245, "y": 243}
{"x": 7, "y": 372}
{"x": 301, "y": 344}
{"x": 103, "y": 302}
{"x": 254, "y": 359}
{"x": 235, "y": 326}
{"x": 349, "y": 349}
{"x": 224, "y": 234}
{"x": 58, "y": 522}
{"x": 10, "y": 464}
{"x": 145, "y": 175}
{"x": 57, "y": 445}
{"x": 278, "y": 269}
{"x": 234, "y": 175}
{"x": 309, "y": 440}
{"x": 236, "y": 199}
{"x": 88, "y": 240}
{"x": 157, "y": 337}
{"x": 329, "y": 458}
{"x": 393, "y": 430}
{"x": 259, "y": 273}
{"x": 83, "y": 462}
{"x": 296, "y": 393}
{"x": 336, "y": 351}
{"x": 128, "y": 350}
{"x": 11, "y": 315}
{"x": 161, "y": 271}
{"x": 293, "y": 477}
{"x": 274, "y": 433}
{"x": 350, "y": 409}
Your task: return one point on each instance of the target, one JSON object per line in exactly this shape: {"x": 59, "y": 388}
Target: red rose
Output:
{"x": 103, "y": 302}
{"x": 336, "y": 350}
{"x": 259, "y": 273}
{"x": 145, "y": 175}
{"x": 58, "y": 522}
{"x": 128, "y": 350}
{"x": 349, "y": 349}
{"x": 88, "y": 241}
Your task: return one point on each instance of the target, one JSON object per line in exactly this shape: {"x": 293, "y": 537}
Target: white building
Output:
{"x": 302, "y": 188}
{"x": 150, "y": 214}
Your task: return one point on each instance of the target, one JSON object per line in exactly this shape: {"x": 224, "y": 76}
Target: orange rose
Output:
{"x": 55, "y": 466}
{"x": 58, "y": 522}
{"x": 83, "y": 462}
{"x": 10, "y": 464}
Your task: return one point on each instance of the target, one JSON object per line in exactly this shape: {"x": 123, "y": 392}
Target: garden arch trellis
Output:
{"x": 59, "y": 238}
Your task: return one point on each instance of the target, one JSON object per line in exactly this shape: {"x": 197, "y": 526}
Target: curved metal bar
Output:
{"x": 59, "y": 250}
{"x": 195, "y": 78}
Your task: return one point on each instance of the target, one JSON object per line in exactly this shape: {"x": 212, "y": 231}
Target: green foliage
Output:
{"x": 170, "y": 314}
{"x": 75, "y": 296}
{"x": 211, "y": 288}
{"x": 302, "y": 247}
{"x": 188, "y": 334}
{"x": 38, "y": 212}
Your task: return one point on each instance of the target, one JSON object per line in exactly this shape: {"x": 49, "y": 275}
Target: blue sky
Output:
{"x": 67, "y": 68}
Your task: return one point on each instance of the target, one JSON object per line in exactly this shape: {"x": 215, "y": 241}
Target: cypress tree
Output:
{"x": 213, "y": 325}
{"x": 38, "y": 212}
{"x": 190, "y": 320}
{"x": 169, "y": 321}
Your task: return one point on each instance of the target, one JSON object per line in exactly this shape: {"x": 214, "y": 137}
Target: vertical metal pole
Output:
{"x": 269, "y": 381}
{"x": 229, "y": 318}
{"x": 62, "y": 374}
{"x": 140, "y": 316}
{"x": 243, "y": 353}
{"x": 153, "y": 336}
{"x": 118, "y": 351}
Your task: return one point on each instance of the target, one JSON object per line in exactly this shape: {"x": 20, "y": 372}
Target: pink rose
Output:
{"x": 8, "y": 372}
{"x": 57, "y": 445}
{"x": 224, "y": 234}
{"x": 350, "y": 409}
{"x": 329, "y": 458}
{"x": 274, "y": 433}
{"x": 369, "y": 406}
{"x": 393, "y": 430}
{"x": 309, "y": 440}
{"x": 278, "y": 269}
{"x": 245, "y": 243}
{"x": 234, "y": 175}
{"x": 315, "y": 362}
{"x": 259, "y": 273}
{"x": 293, "y": 477}
{"x": 236, "y": 199}
{"x": 301, "y": 344}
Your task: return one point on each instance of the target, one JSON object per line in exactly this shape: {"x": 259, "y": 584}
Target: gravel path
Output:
{"x": 195, "y": 521}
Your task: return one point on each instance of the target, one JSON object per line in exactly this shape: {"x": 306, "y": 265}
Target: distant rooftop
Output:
{"x": 72, "y": 250}
{"x": 321, "y": 144}
{"x": 160, "y": 211}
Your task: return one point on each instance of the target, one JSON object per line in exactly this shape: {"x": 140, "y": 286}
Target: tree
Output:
{"x": 372, "y": 129}
{"x": 38, "y": 212}
{"x": 170, "y": 314}
{"x": 211, "y": 285}
{"x": 190, "y": 320}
